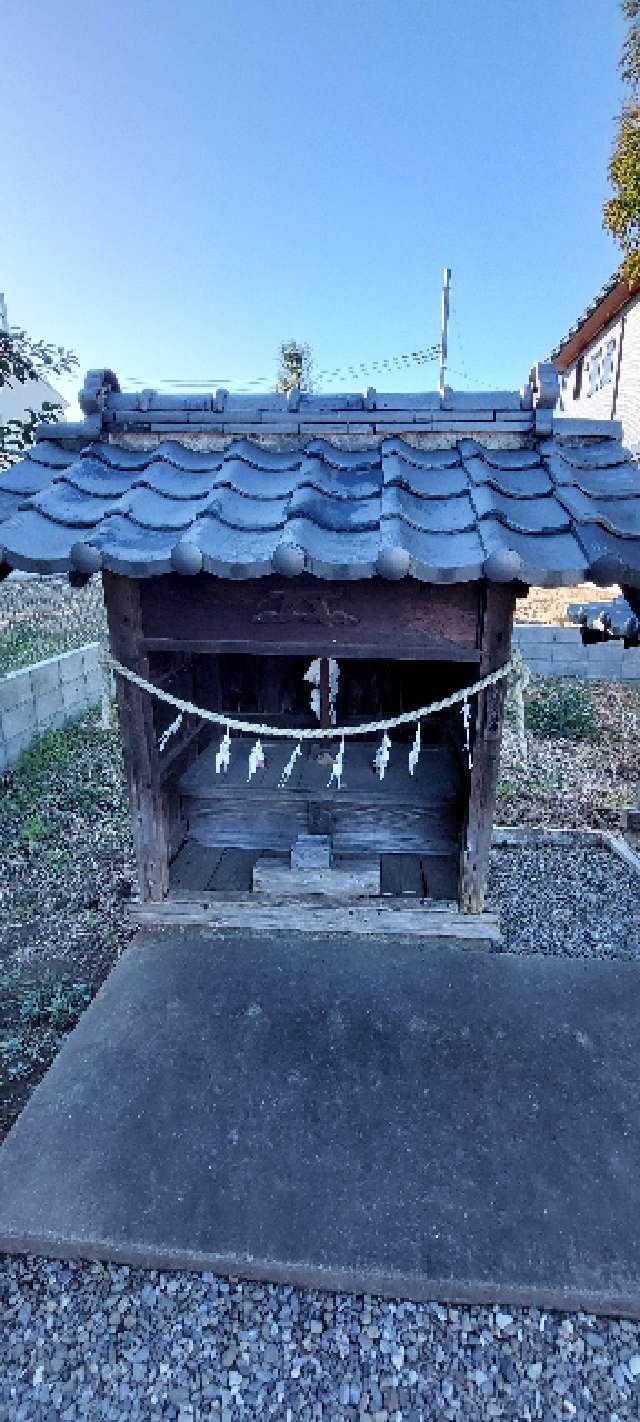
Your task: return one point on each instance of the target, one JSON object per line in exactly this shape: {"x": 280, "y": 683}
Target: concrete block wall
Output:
{"x": 43, "y": 697}
{"x": 558, "y": 651}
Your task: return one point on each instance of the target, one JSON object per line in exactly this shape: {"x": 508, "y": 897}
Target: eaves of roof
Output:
{"x": 616, "y": 293}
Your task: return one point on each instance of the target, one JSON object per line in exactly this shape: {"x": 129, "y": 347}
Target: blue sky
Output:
{"x": 186, "y": 184}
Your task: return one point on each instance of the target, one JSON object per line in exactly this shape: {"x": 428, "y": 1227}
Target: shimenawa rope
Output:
{"x": 514, "y": 667}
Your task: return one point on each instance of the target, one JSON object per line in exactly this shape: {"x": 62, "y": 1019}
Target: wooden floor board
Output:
{"x": 401, "y": 875}
{"x": 194, "y": 866}
{"x": 441, "y": 874}
{"x": 234, "y": 870}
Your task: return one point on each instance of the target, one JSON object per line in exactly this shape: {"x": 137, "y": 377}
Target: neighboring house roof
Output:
{"x": 607, "y": 620}
{"x": 16, "y": 398}
{"x": 616, "y": 293}
{"x": 341, "y": 487}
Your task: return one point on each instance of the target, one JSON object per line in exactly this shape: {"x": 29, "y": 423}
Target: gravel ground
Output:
{"x": 569, "y": 902}
{"x": 88, "y": 1341}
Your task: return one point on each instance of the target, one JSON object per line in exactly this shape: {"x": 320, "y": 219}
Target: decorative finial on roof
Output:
{"x": 545, "y": 385}
{"x": 98, "y": 384}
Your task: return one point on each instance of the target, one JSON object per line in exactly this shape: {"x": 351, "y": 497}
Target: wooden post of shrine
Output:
{"x": 496, "y": 618}
{"x": 140, "y": 750}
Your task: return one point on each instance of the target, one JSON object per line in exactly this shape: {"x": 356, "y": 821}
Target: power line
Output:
{"x": 358, "y": 370}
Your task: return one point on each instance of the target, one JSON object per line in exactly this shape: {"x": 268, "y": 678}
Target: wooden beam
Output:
{"x": 306, "y": 617}
{"x": 496, "y": 624}
{"x": 140, "y": 751}
{"x": 391, "y": 917}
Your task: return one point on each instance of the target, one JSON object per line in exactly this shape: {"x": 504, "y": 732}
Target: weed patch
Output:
{"x": 563, "y": 712}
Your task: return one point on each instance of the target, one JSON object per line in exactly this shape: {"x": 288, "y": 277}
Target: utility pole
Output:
{"x": 444, "y": 326}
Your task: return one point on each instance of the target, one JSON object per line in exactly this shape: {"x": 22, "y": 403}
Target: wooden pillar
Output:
{"x": 139, "y": 746}
{"x": 496, "y": 617}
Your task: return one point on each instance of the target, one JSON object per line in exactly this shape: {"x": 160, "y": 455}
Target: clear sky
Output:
{"x": 188, "y": 183}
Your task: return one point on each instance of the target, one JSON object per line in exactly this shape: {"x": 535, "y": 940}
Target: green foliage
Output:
{"x": 562, "y": 711}
{"x": 622, "y": 211}
{"x": 33, "y": 786}
{"x": 630, "y": 60}
{"x": 21, "y": 645}
{"x": 32, "y": 829}
{"x": 56, "y": 1002}
{"x": 621, "y": 214}
{"x": 43, "y": 1010}
{"x": 22, "y": 360}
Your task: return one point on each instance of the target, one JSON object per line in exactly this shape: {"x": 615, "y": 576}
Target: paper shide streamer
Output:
{"x": 466, "y": 721}
{"x": 381, "y": 759}
{"x": 290, "y": 765}
{"x": 414, "y": 753}
{"x": 224, "y": 753}
{"x": 170, "y": 731}
{"x": 256, "y": 759}
{"x": 337, "y": 767}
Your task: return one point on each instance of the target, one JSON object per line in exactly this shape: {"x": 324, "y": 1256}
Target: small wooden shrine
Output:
{"x": 307, "y": 562}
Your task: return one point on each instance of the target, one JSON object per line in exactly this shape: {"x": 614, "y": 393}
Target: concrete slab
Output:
{"x": 347, "y": 1114}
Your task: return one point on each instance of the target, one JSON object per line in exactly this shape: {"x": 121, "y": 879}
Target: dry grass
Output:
{"x": 550, "y": 604}
{"x": 579, "y": 784}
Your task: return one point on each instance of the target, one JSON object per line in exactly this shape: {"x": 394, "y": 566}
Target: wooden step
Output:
{"x": 337, "y": 883}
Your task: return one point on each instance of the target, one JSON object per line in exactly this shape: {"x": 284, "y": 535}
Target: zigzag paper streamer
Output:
{"x": 336, "y": 769}
{"x": 383, "y": 752}
{"x": 414, "y": 753}
{"x": 170, "y": 731}
{"x": 223, "y": 753}
{"x": 256, "y": 759}
{"x": 296, "y": 752}
{"x": 466, "y": 718}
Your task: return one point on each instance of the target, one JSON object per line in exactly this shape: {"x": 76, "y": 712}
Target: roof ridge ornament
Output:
{"x": 545, "y": 387}
{"x": 98, "y": 385}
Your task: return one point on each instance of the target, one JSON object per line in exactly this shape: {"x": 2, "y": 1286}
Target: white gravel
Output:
{"x": 88, "y": 1341}
{"x": 569, "y": 901}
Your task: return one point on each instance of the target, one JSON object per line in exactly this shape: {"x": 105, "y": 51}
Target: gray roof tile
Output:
{"x": 553, "y": 512}
{"x": 523, "y": 515}
{"x": 444, "y": 515}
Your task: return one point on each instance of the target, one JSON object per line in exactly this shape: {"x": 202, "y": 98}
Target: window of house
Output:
{"x": 607, "y": 364}
{"x": 577, "y": 389}
{"x": 594, "y": 372}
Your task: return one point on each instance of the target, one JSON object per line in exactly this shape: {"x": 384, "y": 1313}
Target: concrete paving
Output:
{"x": 383, "y": 1117}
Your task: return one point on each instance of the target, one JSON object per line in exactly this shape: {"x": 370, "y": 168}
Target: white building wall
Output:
{"x": 607, "y": 387}
{"x": 628, "y": 402}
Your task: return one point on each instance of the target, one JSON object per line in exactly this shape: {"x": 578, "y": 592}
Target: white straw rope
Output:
{"x": 514, "y": 667}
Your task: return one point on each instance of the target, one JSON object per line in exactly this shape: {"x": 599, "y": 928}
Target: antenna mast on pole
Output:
{"x": 444, "y": 326}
